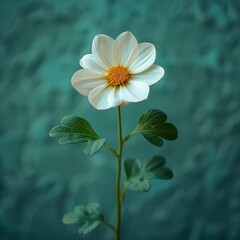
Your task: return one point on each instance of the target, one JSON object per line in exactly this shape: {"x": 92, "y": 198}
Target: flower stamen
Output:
{"x": 118, "y": 75}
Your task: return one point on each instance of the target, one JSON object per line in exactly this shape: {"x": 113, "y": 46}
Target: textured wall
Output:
{"x": 197, "y": 43}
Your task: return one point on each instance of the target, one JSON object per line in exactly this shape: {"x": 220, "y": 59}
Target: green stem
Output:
{"x": 109, "y": 225}
{"x": 129, "y": 135}
{"x": 111, "y": 150}
{"x": 118, "y": 177}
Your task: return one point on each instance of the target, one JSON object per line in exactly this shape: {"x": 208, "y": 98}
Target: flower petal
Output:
{"x": 102, "y": 49}
{"x": 134, "y": 91}
{"x": 123, "y": 48}
{"x": 114, "y": 97}
{"x": 149, "y": 76}
{"x": 85, "y": 80}
{"x": 142, "y": 58}
{"x": 88, "y": 62}
{"x": 98, "y": 97}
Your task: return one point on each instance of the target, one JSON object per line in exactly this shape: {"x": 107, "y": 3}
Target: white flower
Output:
{"x": 117, "y": 72}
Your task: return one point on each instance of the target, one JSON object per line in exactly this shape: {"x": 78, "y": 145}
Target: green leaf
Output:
{"x": 152, "y": 125}
{"x": 93, "y": 146}
{"x": 168, "y": 131}
{"x": 78, "y": 130}
{"x": 151, "y": 118}
{"x": 139, "y": 173}
{"x": 87, "y": 217}
{"x": 154, "y": 138}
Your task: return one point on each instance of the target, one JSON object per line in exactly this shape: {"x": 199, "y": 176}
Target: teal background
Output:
{"x": 198, "y": 45}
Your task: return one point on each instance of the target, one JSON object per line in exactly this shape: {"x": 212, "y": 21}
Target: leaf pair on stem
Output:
{"x": 152, "y": 125}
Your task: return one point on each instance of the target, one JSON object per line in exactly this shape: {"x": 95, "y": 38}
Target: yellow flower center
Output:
{"x": 118, "y": 75}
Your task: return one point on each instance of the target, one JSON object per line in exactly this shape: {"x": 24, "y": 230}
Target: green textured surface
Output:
{"x": 198, "y": 45}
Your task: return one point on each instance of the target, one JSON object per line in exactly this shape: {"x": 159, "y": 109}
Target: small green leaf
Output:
{"x": 155, "y": 139}
{"x": 78, "y": 130}
{"x": 70, "y": 218}
{"x": 151, "y": 118}
{"x": 138, "y": 173}
{"x": 168, "y": 131}
{"x": 152, "y": 125}
{"x": 87, "y": 217}
{"x": 165, "y": 173}
{"x": 93, "y": 146}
